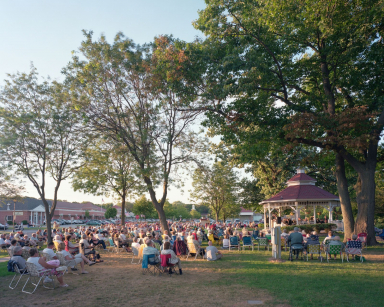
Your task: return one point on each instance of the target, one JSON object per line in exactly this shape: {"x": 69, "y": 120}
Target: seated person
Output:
{"x": 226, "y": 241}
{"x": 284, "y": 234}
{"x": 49, "y": 251}
{"x": 96, "y": 241}
{"x": 17, "y": 252}
{"x": 2, "y": 242}
{"x": 245, "y": 232}
{"x": 135, "y": 244}
{"x": 330, "y": 237}
{"x": 41, "y": 264}
{"x": 312, "y": 240}
{"x": 296, "y": 240}
{"x": 88, "y": 249}
{"x": 212, "y": 252}
{"x": 79, "y": 258}
{"x": 69, "y": 246}
{"x": 174, "y": 259}
{"x": 354, "y": 248}
{"x": 149, "y": 249}
{"x": 336, "y": 241}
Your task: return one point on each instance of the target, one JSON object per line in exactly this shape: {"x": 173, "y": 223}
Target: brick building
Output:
{"x": 32, "y": 210}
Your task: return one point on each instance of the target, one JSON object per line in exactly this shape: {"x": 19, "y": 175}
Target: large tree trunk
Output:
{"x": 345, "y": 201}
{"x": 123, "y": 209}
{"x": 48, "y": 219}
{"x": 365, "y": 197}
{"x": 158, "y": 206}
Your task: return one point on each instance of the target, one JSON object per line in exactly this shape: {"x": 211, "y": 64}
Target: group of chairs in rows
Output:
{"x": 352, "y": 248}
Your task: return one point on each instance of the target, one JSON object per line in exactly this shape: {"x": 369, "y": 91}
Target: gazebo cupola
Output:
{"x": 301, "y": 192}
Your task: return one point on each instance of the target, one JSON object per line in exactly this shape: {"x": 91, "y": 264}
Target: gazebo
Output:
{"x": 301, "y": 192}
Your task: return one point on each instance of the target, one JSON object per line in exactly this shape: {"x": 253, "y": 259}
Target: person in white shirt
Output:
{"x": 49, "y": 251}
{"x": 79, "y": 258}
{"x": 135, "y": 244}
{"x": 174, "y": 259}
{"x": 212, "y": 252}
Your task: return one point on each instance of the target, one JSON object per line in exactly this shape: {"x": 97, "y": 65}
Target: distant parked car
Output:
{"x": 93, "y": 222}
{"x": 4, "y": 227}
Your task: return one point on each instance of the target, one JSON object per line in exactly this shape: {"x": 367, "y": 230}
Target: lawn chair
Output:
{"x": 314, "y": 249}
{"x": 68, "y": 263}
{"x": 19, "y": 273}
{"x": 354, "y": 248}
{"x": 135, "y": 253}
{"x": 157, "y": 246}
{"x": 234, "y": 242}
{"x": 262, "y": 242}
{"x": 255, "y": 234}
{"x": 25, "y": 254}
{"x": 117, "y": 246}
{"x": 165, "y": 264}
{"x": 295, "y": 249}
{"x": 180, "y": 248}
{"x": 363, "y": 238}
{"x": 150, "y": 265}
{"x": 47, "y": 256}
{"x": 35, "y": 275}
{"x": 10, "y": 252}
{"x": 141, "y": 252}
{"x": 247, "y": 242}
{"x": 334, "y": 250}
{"x": 192, "y": 249}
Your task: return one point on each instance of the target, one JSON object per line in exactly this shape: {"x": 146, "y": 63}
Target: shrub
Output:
{"x": 25, "y": 222}
{"x": 260, "y": 226}
{"x": 10, "y": 222}
{"x": 309, "y": 228}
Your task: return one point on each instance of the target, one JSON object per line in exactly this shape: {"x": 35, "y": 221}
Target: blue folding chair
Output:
{"x": 234, "y": 242}
{"x": 247, "y": 242}
{"x": 150, "y": 265}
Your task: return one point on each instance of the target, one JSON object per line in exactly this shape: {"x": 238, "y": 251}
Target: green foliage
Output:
{"x": 215, "y": 187}
{"x": 110, "y": 213}
{"x": 143, "y": 206}
{"x": 86, "y": 214}
{"x": 309, "y": 228}
{"x": 10, "y": 222}
{"x": 25, "y": 222}
{"x": 195, "y": 214}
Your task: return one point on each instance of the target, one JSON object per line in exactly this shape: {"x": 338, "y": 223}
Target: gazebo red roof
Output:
{"x": 301, "y": 187}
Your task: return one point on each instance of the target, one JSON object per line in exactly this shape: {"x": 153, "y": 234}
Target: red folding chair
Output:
{"x": 165, "y": 264}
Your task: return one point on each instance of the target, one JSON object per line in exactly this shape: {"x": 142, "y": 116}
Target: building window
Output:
{"x": 9, "y": 218}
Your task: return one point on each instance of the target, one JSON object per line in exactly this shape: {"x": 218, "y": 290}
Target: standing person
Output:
{"x": 212, "y": 252}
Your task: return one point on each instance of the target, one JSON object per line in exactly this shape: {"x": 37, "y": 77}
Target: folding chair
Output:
{"x": 363, "y": 238}
{"x": 35, "y": 275}
{"x": 25, "y": 254}
{"x": 180, "y": 248}
{"x": 255, "y": 234}
{"x": 295, "y": 249}
{"x": 165, "y": 264}
{"x": 334, "y": 250}
{"x": 19, "y": 273}
{"x": 47, "y": 256}
{"x": 149, "y": 265}
{"x": 135, "y": 253}
{"x": 354, "y": 248}
{"x": 247, "y": 242}
{"x": 262, "y": 242}
{"x": 111, "y": 246}
{"x": 192, "y": 249}
{"x": 314, "y": 249}
{"x": 68, "y": 263}
{"x": 234, "y": 242}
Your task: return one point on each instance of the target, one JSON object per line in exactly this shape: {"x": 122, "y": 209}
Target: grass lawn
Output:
{"x": 232, "y": 281}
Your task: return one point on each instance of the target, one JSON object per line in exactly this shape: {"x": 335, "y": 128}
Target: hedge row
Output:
{"x": 309, "y": 228}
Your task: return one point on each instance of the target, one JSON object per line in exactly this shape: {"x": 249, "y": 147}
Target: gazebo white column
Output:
{"x": 297, "y": 212}
{"x": 314, "y": 215}
{"x": 265, "y": 220}
{"x": 31, "y": 218}
{"x": 330, "y": 212}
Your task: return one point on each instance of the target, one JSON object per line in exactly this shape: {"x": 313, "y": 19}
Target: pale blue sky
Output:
{"x": 46, "y": 31}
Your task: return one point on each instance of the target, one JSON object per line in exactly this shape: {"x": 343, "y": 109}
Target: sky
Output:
{"x": 46, "y": 32}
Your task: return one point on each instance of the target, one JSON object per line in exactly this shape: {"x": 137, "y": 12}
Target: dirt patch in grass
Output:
{"x": 117, "y": 282}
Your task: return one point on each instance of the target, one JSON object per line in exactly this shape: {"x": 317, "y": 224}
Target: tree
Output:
{"x": 126, "y": 98}
{"x": 40, "y": 134}
{"x": 86, "y": 214}
{"x": 143, "y": 206}
{"x": 310, "y": 72}
{"x": 108, "y": 168}
{"x": 111, "y": 212}
{"x": 195, "y": 214}
{"x": 215, "y": 187}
